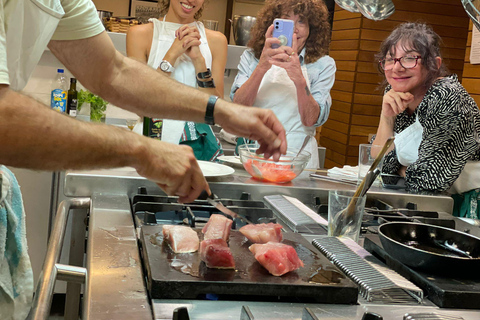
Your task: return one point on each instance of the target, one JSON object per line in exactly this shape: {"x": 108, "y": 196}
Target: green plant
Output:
{"x": 98, "y": 106}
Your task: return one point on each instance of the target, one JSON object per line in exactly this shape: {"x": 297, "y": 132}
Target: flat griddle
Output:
{"x": 184, "y": 276}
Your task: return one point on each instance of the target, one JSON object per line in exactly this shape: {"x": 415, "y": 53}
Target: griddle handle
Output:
{"x": 180, "y": 314}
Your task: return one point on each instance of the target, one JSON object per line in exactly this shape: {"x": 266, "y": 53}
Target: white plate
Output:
{"x": 212, "y": 169}
{"x": 231, "y": 160}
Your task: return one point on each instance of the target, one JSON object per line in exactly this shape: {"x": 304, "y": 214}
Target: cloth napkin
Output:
{"x": 16, "y": 276}
{"x": 346, "y": 173}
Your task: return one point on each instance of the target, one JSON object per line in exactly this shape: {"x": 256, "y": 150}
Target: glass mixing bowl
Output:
{"x": 287, "y": 168}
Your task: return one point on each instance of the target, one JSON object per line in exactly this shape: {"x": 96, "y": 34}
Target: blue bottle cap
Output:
{"x": 60, "y": 70}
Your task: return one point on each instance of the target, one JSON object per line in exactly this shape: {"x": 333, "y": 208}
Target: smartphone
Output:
{"x": 392, "y": 181}
{"x": 283, "y": 30}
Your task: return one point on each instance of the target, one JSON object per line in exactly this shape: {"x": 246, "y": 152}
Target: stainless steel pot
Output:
{"x": 241, "y": 29}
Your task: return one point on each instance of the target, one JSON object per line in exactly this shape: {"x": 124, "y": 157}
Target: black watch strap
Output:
{"x": 210, "y": 108}
{"x": 206, "y": 84}
{"x": 204, "y": 75}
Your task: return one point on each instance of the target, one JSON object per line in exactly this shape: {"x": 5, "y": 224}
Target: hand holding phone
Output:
{"x": 283, "y": 31}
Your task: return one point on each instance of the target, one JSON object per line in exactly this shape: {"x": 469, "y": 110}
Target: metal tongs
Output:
{"x": 213, "y": 200}
{"x": 342, "y": 222}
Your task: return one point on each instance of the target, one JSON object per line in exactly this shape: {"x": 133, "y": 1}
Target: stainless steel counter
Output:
{"x": 115, "y": 284}
{"x": 306, "y": 189}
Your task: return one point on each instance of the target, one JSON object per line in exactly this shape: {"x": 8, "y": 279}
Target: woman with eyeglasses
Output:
{"x": 435, "y": 121}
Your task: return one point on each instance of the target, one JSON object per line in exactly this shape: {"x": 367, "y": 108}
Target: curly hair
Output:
{"x": 418, "y": 37}
{"x": 314, "y": 11}
{"x": 165, "y": 4}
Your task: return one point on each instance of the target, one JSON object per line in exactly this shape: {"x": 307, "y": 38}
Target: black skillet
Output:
{"x": 432, "y": 248}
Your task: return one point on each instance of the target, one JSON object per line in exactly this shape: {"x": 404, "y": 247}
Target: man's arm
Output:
{"x": 138, "y": 88}
{"x": 37, "y": 137}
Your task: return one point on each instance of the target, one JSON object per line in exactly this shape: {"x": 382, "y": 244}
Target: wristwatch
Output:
{"x": 165, "y": 66}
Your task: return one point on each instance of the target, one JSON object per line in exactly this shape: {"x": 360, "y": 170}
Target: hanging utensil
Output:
{"x": 472, "y": 8}
{"x": 348, "y": 5}
{"x": 342, "y": 221}
{"x": 375, "y": 9}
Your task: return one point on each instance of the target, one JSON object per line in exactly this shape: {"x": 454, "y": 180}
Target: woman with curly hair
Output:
{"x": 180, "y": 47}
{"x": 294, "y": 82}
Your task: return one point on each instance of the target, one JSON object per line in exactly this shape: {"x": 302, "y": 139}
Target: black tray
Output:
{"x": 445, "y": 292}
{"x": 166, "y": 280}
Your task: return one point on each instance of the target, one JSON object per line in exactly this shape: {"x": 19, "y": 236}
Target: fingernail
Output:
{"x": 277, "y": 143}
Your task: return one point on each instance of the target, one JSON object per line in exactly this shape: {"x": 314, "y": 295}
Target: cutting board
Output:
{"x": 184, "y": 276}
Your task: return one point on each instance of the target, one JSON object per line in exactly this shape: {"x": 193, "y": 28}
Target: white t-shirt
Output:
{"x": 26, "y": 27}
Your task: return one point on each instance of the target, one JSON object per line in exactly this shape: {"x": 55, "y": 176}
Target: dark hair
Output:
{"x": 165, "y": 4}
{"x": 421, "y": 38}
{"x": 314, "y": 11}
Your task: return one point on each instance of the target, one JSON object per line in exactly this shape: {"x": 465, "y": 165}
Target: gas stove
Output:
{"x": 117, "y": 280}
{"x": 160, "y": 209}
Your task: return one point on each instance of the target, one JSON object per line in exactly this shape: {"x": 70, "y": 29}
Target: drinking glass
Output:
{"x": 338, "y": 201}
{"x": 365, "y": 159}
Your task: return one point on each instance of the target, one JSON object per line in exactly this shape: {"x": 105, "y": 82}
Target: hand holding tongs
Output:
{"x": 213, "y": 200}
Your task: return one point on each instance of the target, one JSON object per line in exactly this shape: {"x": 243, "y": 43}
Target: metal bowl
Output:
{"x": 375, "y": 9}
{"x": 348, "y": 5}
{"x": 287, "y": 168}
{"x": 472, "y": 7}
{"x": 241, "y": 29}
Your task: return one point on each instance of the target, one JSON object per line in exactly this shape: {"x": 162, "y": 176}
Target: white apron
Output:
{"x": 278, "y": 93}
{"x": 163, "y": 37}
{"x": 25, "y": 40}
{"x": 407, "y": 143}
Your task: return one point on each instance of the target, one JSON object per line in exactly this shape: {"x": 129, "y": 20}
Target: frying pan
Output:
{"x": 430, "y": 248}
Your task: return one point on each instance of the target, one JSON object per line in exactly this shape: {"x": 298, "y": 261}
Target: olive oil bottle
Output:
{"x": 152, "y": 127}
{"x": 72, "y": 98}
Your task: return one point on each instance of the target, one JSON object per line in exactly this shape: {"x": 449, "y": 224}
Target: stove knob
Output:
{"x": 245, "y": 196}
{"x": 371, "y": 316}
{"x": 149, "y": 218}
{"x": 180, "y": 314}
{"x": 142, "y": 190}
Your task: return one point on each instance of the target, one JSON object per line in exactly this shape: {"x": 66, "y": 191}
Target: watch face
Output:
{"x": 164, "y": 66}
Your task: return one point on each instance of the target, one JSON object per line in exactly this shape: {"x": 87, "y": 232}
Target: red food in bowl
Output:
{"x": 270, "y": 171}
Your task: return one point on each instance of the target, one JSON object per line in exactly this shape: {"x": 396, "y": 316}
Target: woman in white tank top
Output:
{"x": 179, "y": 46}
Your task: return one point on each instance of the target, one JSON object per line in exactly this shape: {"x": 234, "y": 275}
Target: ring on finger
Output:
{"x": 288, "y": 59}
{"x": 293, "y": 52}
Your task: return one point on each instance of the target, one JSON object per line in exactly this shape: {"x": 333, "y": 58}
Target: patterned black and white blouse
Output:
{"x": 451, "y": 123}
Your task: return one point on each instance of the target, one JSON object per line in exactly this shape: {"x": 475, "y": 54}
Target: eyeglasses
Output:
{"x": 406, "y": 62}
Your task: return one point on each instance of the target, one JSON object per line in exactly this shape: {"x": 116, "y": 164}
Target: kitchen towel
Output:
{"x": 16, "y": 276}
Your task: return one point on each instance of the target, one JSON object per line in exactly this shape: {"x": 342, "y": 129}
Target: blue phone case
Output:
{"x": 283, "y": 30}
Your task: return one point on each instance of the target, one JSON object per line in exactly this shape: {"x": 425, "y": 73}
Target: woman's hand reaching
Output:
{"x": 395, "y": 103}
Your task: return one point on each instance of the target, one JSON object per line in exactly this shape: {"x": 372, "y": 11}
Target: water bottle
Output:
{"x": 58, "y": 100}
